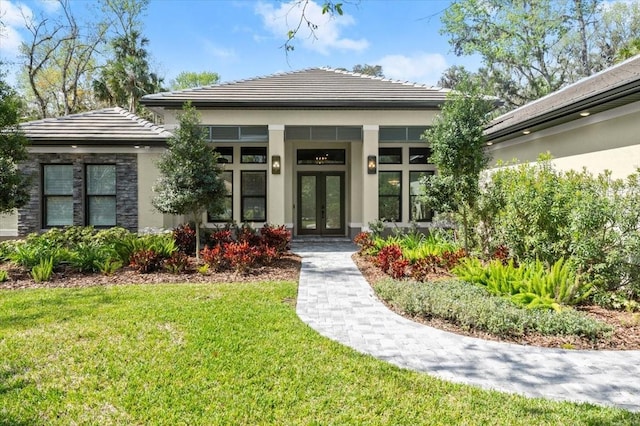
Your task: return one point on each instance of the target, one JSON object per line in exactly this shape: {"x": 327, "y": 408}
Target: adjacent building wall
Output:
{"x": 608, "y": 140}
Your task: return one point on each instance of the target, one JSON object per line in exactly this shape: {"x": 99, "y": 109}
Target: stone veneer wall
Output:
{"x": 30, "y": 216}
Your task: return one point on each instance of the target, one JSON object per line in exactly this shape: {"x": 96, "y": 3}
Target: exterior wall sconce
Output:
{"x": 372, "y": 165}
{"x": 275, "y": 164}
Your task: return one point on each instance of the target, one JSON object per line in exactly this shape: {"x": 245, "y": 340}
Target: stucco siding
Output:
{"x": 608, "y": 141}
{"x": 148, "y": 173}
{"x": 310, "y": 118}
{"x": 9, "y": 224}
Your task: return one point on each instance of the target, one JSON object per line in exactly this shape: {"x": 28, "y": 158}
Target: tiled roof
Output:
{"x": 113, "y": 126}
{"x": 315, "y": 87}
{"x": 610, "y": 88}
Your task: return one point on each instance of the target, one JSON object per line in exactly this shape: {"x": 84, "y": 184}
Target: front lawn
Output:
{"x": 220, "y": 354}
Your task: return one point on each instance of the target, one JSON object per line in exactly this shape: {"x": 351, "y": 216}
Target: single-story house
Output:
{"x": 594, "y": 123}
{"x": 323, "y": 151}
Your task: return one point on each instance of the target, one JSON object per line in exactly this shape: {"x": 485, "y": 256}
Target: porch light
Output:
{"x": 275, "y": 164}
{"x": 372, "y": 164}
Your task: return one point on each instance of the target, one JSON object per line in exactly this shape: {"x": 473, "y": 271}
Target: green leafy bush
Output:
{"x": 87, "y": 257}
{"x": 4, "y": 275}
{"x": 43, "y": 270}
{"x": 538, "y": 212}
{"x": 473, "y": 308}
{"x": 31, "y": 254}
{"x": 529, "y": 284}
{"x": 109, "y": 266}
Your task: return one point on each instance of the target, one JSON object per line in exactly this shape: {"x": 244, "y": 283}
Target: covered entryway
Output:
{"x": 321, "y": 203}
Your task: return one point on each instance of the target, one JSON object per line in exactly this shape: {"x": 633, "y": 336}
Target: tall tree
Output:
{"x": 457, "y": 144}
{"x": 14, "y": 184}
{"x": 188, "y": 79}
{"x": 190, "y": 182}
{"x": 127, "y": 76}
{"x": 530, "y": 48}
{"x": 59, "y": 60}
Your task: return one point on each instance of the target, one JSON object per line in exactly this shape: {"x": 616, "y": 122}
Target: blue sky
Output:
{"x": 243, "y": 38}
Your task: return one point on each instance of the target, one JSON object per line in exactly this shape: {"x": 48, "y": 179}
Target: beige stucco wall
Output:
{"x": 148, "y": 217}
{"x": 604, "y": 141}
{"x": 9, "y": 224}
{"x": 309, "y": 117}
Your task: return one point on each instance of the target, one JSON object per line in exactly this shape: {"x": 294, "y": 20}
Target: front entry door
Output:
{"x": 321, "y": 203}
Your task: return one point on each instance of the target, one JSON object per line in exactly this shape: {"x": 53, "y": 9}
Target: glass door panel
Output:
{"x": 333, "y": 202}
{"x": 308, "y": 202}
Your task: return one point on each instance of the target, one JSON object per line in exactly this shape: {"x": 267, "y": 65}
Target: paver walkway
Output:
{"x": 335, "y": 300}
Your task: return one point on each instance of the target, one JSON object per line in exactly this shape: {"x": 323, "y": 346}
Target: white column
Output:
{"x": 369, "y": 181}
{"x": 276, "y": 182}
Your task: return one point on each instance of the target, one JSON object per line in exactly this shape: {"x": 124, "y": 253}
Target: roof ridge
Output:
{"x": 374, "y": 77}
{"x": 143, "y": 121}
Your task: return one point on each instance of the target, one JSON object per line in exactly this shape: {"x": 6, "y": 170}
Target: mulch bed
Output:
{"x": 625, "y": 336}
{"x": 287, "y": 268}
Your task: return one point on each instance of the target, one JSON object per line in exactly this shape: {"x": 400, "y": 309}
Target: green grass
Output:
{"x": 221, "y": 354}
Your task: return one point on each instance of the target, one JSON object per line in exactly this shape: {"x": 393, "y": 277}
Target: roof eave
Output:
{"x": 571, "y": 111}
{"x": 306, "y": 104}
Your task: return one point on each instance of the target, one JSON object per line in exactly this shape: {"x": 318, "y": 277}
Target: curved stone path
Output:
{"x": 335, "y": 300}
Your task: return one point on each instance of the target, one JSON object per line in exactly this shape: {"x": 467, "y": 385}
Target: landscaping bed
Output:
{"x": 625, "y": 334}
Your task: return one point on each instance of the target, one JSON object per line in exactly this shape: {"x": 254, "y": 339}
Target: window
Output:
{"x": 253, "y": 195}
{"x": 227, "y": 213}
{"x": 253, "y": 155}
{"x": 418, "y": 211}
{"x": 419, "y": 155}
{"x": 101, "y": 194}
{"x": 389, "y": 195}
{"x": 57, "y": 194}
{"x": 320, "y": 156}
{"x": 390, "y": 155}
{"x": 226, "y": 154}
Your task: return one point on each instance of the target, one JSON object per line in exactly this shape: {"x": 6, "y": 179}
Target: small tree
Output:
{"x": 190, "y": 182}
{"x": 457, "y": 144}
{"x": 14, "y": 184}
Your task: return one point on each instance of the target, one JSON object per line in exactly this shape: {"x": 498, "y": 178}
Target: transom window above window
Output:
{"x": 390, "y": 155}
{"x": 253, "y": 154}
{"x": 321, "y": 157}
{"x": 236, "y": 133}
{"x": 419, "y": 155}
{"x": 226, "y": 154}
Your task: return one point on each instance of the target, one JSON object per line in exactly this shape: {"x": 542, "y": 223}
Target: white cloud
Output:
{"x": 13, "y": 17}
{"x": 326, "y": 37}
{"x": 50, "y": 6}
{"x": 420, "y": 67}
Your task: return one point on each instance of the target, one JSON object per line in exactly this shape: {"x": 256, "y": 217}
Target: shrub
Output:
{"x": 43, "y": 270}
{"x": 31, "y": 254}
{"x": 398, "y": 268}
{"x": 185, "y": 239}
{"x": 178, "y": 263}
{"x": 277, "y": 237}
{"x": 221, "y": 237}
{"x": 111, "y": 236}
{"x": 387, "y": 255}
{"x": 246, "y": 233}
{"x": 145, "y": 261}
{"x": 364, "y": 240}
{"x": 241, "y": 256}
{"x": 268, "y": 255}
{"x": 530, "y": 284}
{"x": 86, "y": 256}
{"x": 109, "y": 266}
{"x": 214, "y": 257}
{"x": 4, "y": 275}
{"x": 425, "y": 266}
{"x": 473, "y": 308}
